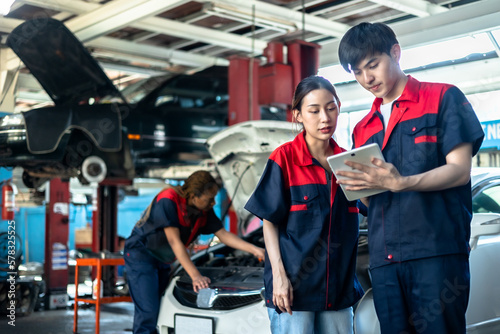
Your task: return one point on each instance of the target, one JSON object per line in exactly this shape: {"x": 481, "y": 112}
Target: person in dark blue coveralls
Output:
{"x": 310, "y": 228}
{"x": 419, "y": 229}
{"x": 176, "y": 217}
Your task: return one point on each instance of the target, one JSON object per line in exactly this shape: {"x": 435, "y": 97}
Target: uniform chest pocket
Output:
{"x": 421, "y": 130}
{"x": 420, "y": 138}
{"x": 305, "y": 209}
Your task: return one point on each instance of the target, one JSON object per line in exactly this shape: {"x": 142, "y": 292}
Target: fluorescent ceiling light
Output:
{"x": 336, "y": 74}
{"x": 5, "y": 6}
{"x": 448, "y": 50}
{"x": 263, "y": 20}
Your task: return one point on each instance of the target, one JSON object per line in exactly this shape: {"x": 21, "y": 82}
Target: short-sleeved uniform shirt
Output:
{"x": 170, "y": 210}
{"x": 427, "y": 121}
{"x": 317, "y": 226}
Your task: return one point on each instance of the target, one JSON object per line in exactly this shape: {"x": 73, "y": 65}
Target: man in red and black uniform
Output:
{"x": 419, "y": 229}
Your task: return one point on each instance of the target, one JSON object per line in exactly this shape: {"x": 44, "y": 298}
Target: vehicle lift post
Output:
{"x": 104, "y": 238}
{"x": 105, "y": 226}
{"x": 56, "y": 244}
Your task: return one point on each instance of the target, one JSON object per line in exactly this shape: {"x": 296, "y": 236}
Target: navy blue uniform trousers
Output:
{"x": 147, "y": 279}
{"x": 427, "y": 295}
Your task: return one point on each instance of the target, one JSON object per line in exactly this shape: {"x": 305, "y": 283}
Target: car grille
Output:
{"x": 187, "y": 297}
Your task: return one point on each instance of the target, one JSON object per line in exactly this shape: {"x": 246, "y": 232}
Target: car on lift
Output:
{"x": 93, "y": 131}
{"x": 234, "y": 301}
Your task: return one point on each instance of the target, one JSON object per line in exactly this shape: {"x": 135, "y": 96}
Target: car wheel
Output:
{"x": 94, "y": 169}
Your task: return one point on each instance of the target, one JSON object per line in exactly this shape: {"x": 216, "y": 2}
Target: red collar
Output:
{"x": 301, "y": 154}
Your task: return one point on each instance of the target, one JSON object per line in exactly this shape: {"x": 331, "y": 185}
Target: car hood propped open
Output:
{"x": 241, "y": 152}
{"x": 60, "y": 62}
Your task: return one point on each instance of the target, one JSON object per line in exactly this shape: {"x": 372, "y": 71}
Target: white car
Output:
{"x": 483, "y": 312}
{"x": 234, "y": 302}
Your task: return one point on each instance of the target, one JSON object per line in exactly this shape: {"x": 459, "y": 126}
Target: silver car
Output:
{"x": 483, "y": 312}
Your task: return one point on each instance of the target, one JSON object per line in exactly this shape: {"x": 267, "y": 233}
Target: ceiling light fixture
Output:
{"x": 279, "y": 14}
{"x": 233, "y": 13}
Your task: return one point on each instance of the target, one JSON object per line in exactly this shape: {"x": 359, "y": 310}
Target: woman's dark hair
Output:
{"x": 197, "y": 183}
{"x": 309, "y": 84}
{"x": 365, "y": 40}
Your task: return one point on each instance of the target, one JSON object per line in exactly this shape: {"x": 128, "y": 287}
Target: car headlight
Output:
{"x": 12, "y": 120}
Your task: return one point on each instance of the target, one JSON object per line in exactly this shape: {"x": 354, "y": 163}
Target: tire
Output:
{"x": 94, "y": 169}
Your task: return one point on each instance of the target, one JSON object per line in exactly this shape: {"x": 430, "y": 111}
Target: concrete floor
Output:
{"x": 116, "y": 318}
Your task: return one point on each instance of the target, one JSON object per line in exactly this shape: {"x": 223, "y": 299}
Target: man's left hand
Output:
{"x": 382, "y": 176}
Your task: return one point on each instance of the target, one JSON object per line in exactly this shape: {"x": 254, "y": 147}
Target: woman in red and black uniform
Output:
{"x": 177, "y": 216}
{"x": 310, "y": 228}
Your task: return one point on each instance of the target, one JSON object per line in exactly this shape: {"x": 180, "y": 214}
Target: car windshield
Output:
{"x": 192, "y": 92}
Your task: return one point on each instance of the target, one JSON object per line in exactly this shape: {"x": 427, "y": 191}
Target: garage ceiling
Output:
{"x": 133, "y": 39}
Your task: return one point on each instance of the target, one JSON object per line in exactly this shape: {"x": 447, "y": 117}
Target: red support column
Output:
{"x": 243, "y": 81}
{"x": 275, "y": 78}
{"x": 304, "y": 59}
{"x": 56, "y": 243}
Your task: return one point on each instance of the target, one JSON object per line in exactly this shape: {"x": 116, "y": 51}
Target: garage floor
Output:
{"x": 116, "y": 318}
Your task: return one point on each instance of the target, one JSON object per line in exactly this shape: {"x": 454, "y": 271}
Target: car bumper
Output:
{"x": 249, "y": 319}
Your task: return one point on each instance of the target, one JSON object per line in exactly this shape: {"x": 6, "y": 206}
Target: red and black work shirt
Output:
{"x": 170, "y": 210}
{"x": 427, "y": 121}
{"x": 318, "y": 228}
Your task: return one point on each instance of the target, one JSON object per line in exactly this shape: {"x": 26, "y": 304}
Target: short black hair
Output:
{"x": 365, "y": 40}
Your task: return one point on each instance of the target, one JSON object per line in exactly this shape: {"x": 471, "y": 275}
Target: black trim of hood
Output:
{"x": 60, "y": 62}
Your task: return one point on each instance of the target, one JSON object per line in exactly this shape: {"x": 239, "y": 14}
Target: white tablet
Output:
{"x": 361, "y": 155}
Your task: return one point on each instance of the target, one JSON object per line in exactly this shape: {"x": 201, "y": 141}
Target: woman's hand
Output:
{"x": 174, "y": 239}
{"x": 200, "y": 282}
{"x": 234, "y": 241}
{"x": 259, "y": 253}
{"x": 282, "y": 288}
{"x": 282, "y": 293}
